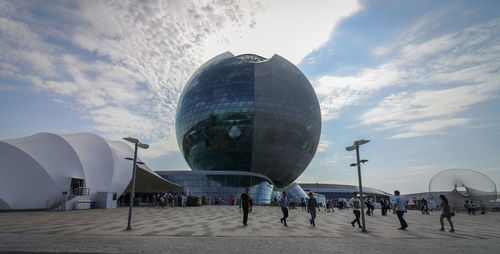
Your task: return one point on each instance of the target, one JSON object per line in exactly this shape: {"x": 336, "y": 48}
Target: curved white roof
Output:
{"x": 37, "y": 168}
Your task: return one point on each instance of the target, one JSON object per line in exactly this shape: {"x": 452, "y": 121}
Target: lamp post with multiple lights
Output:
{"x": 362, "y": 201}
{"x": 132, "y": 192}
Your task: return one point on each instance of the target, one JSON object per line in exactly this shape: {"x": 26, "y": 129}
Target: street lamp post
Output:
{"x": 362, "y": 201}
{"x": 132, "y": 192}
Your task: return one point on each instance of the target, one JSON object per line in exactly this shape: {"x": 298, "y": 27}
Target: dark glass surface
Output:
{"x": 214, "y": 120}
{"x": 287, "y": 121}
{"x": 238, "y": 115}
{"x": 214, "y": 184}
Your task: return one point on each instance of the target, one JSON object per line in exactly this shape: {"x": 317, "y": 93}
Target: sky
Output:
{"x": 420, "y": 79}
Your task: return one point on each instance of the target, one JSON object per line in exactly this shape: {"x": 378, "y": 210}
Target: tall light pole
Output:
{"x": 362, "y": 201}
{"x": 132, "y": 193}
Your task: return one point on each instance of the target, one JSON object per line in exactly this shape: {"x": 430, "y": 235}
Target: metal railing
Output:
{"x": 62, "y": 199}
{"x": 56, "y": 201}
{"x": 79, "y": 191}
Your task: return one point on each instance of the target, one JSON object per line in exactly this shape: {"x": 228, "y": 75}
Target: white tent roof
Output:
{"x": 37, "y": 168}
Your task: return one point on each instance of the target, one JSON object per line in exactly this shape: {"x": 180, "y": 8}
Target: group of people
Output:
{"x": 342, "y": 203}
{"x": 290, "y": 202}
{"x": 328, "y": 205}
{"x": 246, "y": 201}
{"x": 312, "y": 205}
{"x": 399, "y": 209}
{"x": 471, "y": 207}
{"x": 169, "y": 199}
{"x": 214, "y": 201}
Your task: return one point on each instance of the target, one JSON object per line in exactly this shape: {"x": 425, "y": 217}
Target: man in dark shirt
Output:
{"x": 244, "y": 205}
{"x": 311, "y": 208}
{"x": 284, "y": 208}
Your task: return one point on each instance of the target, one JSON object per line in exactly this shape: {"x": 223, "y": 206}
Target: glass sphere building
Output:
{"x": 249, "y": 113}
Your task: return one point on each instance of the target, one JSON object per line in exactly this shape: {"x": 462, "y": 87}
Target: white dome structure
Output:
{"x": 463, "y": 184}
{"x": 42, "y": 167}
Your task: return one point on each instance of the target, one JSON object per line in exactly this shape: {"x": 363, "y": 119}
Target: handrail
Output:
{"x": 56, "y": 201}
{"x": 80, "y": 191}
{"x": 61, "y": 199}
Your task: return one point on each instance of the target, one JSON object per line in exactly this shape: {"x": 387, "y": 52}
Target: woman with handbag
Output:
{"x": 446, "y": 213}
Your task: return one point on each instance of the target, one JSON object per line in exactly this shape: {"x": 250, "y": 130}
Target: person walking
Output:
{"x": 284, "y": 209}
{"x": 382, "y": 206}
{"x": 399, "y": 209}
{"x": 355, "y": 203}
{"x": 482, "y": 207}
{"x": 422, "y": 207}
{"x": 467, "y": 207}
{"x": 426, "y": 206}
{"x": 446, "y": 213}
{"x": 370, "y": 205}
{"x": 387, "y": 205}
{"x": 173, "y": 198}
{"x": 244, "y": 205}
{"x": 183, "y": 200}
{"x": 162, "y": 202}
{"x": 250, "y": 204}
{"x": 303, "y": 204}
{"x": 473, "y": 207}
{"x": 311, "y": 208}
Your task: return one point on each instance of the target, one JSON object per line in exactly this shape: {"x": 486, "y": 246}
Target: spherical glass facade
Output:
{"x": 248, "y": 113}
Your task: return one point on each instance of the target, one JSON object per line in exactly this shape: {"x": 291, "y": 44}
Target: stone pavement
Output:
{"x": 219, "y": 228}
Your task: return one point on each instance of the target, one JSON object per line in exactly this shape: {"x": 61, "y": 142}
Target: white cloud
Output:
{"x": 437, "y": 124}
{"x": 337, "y": 93}
{"x": 381, "y": 51}
{"x": 123, "y": 64}
{"x": 63, "y": 88}
{"x": 161, "y": 147}
{"x": 334, "y": 159}
{"x": 429, "y": 103}
{"x": 466, "y": 60}
{"x": 427, "y": 112}
{"x": 323, "y": 145}
{"x": 414, "y": 134}
{"x": 290, "y": 28}
{"x": 116, "y": 119}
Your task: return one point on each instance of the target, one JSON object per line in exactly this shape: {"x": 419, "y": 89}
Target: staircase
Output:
{"x": 65, "y": 202}
{"x": 57, "y": 203}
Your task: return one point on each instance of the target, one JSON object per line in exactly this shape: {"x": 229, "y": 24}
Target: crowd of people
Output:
{"x": 311, "y": 205}
{"x": 164, "y": 200}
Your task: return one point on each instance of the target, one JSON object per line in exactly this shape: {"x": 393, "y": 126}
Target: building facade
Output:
{"x": 248, "y": 113}
{"x": 210, "y": 185}
{"x": 50, "y": 171}
{"x": 248, "y": 120}
{"x": 336, "y": 191}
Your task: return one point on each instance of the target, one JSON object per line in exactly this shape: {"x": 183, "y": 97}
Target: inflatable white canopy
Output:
{"x": 36, "y": 168}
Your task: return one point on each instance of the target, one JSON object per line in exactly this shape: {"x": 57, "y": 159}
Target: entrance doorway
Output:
{"x": 77, "y": 187}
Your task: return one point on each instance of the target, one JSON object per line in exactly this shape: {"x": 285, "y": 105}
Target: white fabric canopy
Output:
{"x": 37, "y": 168}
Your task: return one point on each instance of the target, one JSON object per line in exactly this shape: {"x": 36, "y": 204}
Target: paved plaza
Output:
{"x": 217, "y": 228}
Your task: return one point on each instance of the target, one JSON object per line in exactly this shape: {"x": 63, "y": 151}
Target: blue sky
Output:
{"x": 419, "y": 79}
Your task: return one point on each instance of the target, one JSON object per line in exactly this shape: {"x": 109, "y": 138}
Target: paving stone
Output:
{"x": 226, "y": 221}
